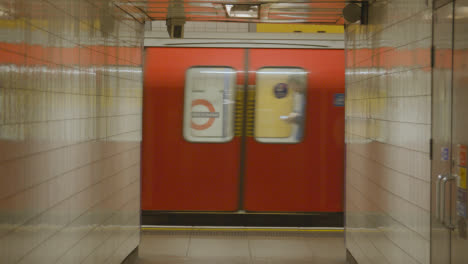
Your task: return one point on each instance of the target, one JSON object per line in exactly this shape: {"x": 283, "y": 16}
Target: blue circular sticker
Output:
{"x": 280, "y": 90}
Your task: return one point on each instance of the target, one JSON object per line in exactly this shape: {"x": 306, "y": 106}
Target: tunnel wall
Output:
{"x": 70, "y": 131}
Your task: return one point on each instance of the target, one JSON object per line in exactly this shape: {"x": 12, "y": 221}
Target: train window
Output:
{"x": 209, "y": 104}
{"x": 280, "y": 102}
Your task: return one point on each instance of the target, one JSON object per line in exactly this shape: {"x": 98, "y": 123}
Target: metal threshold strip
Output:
{"x": 248, "y": 40}
{"x": 244, "y": 43}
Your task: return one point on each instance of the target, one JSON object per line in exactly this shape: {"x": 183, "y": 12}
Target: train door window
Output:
{"x": 280, "y": 103}
{"x": 209, "y": 104}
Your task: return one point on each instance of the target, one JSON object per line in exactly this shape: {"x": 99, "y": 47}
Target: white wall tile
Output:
{"x": 387, "y": 132}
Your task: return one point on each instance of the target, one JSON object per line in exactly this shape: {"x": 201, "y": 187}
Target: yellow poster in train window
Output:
{"x": 271, "y": 105}
{"x": 462, "y": 173}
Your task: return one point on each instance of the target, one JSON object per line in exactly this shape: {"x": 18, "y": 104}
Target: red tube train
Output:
{"x": 243, "y": 130}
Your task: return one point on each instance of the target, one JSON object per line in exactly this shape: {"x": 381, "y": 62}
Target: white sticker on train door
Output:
{"x": 207, "y": 106}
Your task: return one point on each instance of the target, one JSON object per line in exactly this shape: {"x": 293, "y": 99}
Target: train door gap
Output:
{"x": 243, "y": 146}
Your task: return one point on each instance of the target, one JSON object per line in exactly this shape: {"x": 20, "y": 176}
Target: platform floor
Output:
{"x": 225, "y": 246}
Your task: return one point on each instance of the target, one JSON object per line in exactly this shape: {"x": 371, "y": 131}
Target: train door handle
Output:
{"x": 438, "y": 203}
{"x": 448, "y": 178}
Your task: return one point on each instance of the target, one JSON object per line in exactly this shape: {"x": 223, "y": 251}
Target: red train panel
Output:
{"x": 179, "y": 175}
{"x": 304, "y": 177}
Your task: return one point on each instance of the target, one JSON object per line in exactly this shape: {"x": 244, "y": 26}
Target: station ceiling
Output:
{"x": 269, "y": 11}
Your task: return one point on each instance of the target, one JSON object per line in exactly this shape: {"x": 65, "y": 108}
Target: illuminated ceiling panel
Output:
{"x": 266, "y": 11}
{"x": 269, "y": 11}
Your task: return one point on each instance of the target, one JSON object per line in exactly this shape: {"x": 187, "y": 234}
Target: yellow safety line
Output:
{"x": 239, "y": 229}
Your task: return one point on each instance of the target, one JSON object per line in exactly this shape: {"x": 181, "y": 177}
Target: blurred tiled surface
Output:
{"x": 70, "y": 131}
{"x": 459, "y": 242}
{"x": 241, "y": 248}
{"x": 388, "y": 124}
{"x": 441, "y": 123}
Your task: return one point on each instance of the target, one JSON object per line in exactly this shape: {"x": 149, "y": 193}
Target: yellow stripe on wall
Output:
{"x": 287, "y": 28}
{"x": 21, "y": 23}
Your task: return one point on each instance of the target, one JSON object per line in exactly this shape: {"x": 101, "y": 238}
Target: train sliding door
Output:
{"x": 216, "y": 140}
{"x": 294, "y": 158}
{"x": 191, "y": 158}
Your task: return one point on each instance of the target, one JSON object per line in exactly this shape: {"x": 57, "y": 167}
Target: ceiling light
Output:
{"x": 242, "y": 11}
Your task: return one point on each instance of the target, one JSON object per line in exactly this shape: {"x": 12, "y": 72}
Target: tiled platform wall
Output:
{"x": 70, "y": 131}
{"x": 388, "y": 99}
{"x": 196, "y": 26}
